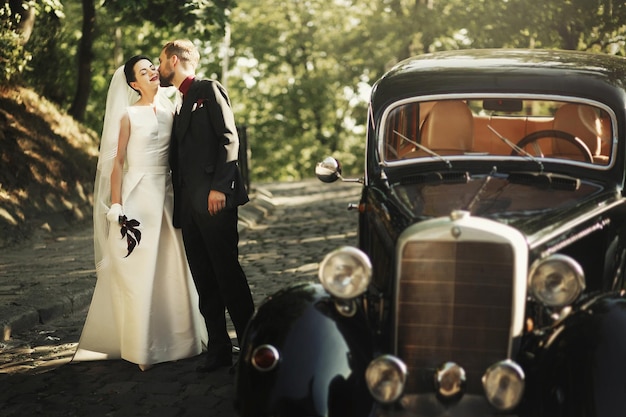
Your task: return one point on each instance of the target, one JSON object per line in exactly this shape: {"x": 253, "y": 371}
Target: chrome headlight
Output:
{"x": 504, "y": 384}
{"x": 385, "y": 377}
{"x": 556, "y": 280}
{"x": 346, "y": 272}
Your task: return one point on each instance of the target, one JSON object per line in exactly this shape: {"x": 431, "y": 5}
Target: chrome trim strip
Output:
{"x": 546, "y": 237}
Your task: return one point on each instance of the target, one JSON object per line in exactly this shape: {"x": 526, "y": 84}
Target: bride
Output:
{"x": 145, "y": 306}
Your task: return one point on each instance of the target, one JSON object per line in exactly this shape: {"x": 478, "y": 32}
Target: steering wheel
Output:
{"x": 532, "y": 138}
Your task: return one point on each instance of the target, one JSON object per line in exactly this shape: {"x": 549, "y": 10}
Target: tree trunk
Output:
{"x": 85, "y": 58}
{"x": 26, "y": 19}
{"x": 118, "y": 52}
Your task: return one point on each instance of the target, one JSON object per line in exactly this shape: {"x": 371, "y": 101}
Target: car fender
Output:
{"x": 581, "y": 366}
{"x": 323, "y": 355}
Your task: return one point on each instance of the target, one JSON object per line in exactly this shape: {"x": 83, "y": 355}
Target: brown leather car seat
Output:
{"x": 581, "y": 121}
{"x": 448, "y": 128}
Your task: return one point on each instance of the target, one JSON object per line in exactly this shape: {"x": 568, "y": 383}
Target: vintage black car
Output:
{"x": 490, "y": 270}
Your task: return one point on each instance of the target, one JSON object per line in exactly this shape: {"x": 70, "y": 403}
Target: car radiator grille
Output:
{"x": 454, "y": 304}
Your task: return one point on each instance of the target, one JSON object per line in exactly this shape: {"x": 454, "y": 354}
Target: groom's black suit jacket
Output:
{"x": 204, "y": 149}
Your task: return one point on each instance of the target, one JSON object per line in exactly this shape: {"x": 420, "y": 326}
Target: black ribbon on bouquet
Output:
{"x": 130, "y": 232}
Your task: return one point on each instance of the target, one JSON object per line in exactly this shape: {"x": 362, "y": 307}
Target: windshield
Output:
{"x": 529, "y": 128}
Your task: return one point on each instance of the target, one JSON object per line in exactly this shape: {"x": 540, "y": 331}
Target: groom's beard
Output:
{"x": 166, "y": 81}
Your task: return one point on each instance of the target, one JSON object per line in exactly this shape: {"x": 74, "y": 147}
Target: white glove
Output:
{"x": 114, "y": 213}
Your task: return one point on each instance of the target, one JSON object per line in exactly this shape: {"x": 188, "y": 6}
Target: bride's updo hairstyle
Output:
{"x": 129, "y": 69}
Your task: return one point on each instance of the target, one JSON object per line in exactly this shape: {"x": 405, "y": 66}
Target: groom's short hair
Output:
{"x": 185, "y": 50}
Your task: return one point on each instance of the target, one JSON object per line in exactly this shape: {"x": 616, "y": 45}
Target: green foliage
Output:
{"x": 15, "y": 40}
{"x": 297, "y": 93}
{"x": 13, "y": 57}
{"x": 201, "y": 17}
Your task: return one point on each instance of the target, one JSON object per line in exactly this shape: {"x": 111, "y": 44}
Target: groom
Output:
{"x": 208, "y": 188}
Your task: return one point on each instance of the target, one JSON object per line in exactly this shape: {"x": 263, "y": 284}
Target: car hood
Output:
{"x": 526, "y": 201}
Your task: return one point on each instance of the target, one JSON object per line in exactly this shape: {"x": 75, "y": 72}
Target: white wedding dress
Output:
{"x": 145, "y": 306}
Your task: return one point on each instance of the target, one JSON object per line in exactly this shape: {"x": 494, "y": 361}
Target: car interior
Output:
{"x": 501, "y": 127}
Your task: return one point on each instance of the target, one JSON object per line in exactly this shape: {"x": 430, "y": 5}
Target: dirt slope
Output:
{"x": 47, "y": 166}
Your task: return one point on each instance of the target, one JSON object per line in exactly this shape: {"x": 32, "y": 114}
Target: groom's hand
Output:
{"x": 217, "y": 201}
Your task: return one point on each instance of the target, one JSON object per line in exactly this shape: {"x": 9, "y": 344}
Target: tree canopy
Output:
{"x": 298, "y": 71}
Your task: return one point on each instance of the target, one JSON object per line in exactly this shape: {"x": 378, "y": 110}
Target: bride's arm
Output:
{"x": 118, "y": 163}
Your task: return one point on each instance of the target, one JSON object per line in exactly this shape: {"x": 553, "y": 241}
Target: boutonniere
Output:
{"x": 198, "y": 104}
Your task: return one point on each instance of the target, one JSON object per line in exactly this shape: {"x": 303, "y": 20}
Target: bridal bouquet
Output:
{"x": 130, "y": 232}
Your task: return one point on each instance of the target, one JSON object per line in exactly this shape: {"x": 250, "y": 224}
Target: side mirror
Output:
{"x": 329, "y": 170}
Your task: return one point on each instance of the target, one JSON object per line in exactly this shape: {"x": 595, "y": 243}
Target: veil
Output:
{"x": 119, "y": 97}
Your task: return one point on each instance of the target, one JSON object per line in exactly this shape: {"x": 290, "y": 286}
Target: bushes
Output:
{"x": 13, "y": 56}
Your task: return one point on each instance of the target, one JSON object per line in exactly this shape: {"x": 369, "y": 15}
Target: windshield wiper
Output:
{"x": 424, "y": 148}
{"x": 516, "y": 148}
{"x": 480, "y": 190}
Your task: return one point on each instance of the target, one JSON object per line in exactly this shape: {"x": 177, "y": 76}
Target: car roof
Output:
{"x": 580, "y": 76}
{"x": 592, "y": 76}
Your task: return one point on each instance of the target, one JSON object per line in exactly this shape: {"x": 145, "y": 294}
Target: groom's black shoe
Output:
{"x": 221, "y": 359}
